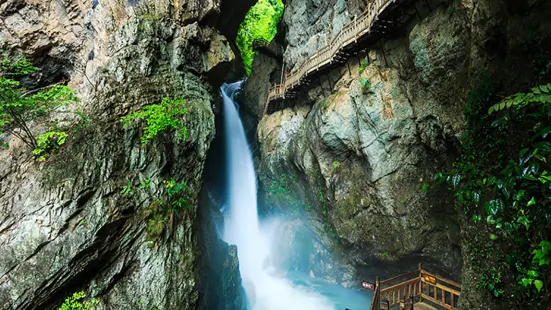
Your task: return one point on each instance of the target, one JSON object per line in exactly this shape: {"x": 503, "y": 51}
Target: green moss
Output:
{"x": 260, "y": 24}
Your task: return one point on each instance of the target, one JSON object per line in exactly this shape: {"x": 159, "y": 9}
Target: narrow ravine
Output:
{"x": 266, "y": 286}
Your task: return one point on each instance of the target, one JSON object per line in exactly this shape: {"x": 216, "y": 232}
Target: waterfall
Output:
{"x": 265, "y": 291}
{"x": 266, "y": 288}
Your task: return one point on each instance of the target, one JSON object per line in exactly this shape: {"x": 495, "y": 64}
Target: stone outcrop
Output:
{"x": 65, "y": 224}
{"x": 364, "y": 141}
{"x": 319, "y": 21}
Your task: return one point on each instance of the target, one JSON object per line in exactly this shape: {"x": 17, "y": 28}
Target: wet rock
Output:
{"x": 65, "y": 224}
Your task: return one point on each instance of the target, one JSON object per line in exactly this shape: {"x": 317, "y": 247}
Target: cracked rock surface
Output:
{"x": 67, "y": 224}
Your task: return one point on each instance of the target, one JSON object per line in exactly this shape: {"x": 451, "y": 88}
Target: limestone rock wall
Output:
{"x": 65, "y": 224}
{"x": 360, "y": 156}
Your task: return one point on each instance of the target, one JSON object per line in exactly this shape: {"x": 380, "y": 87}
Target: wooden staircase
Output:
{"x": 364, "y": 30}
{"x": 419, "y": 289}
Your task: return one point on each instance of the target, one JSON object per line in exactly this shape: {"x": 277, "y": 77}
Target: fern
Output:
{"x": 540, "y": 94}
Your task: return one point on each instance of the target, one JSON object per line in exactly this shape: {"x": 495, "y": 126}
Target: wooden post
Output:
{"x": 282, "y": 73}
{"x": 420, "y": 282}
{"x": 378, "y": 293}
{"x": 355, "y": 29}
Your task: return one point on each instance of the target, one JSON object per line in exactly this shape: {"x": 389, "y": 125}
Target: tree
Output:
{"x": 260, "y": 24}
{"x": 18, "y": 105}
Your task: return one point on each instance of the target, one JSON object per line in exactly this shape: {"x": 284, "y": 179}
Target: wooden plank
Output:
{"x": 450, "y": 290}
{"x": 441, "y": 279}
{"x": 400, "y": 284}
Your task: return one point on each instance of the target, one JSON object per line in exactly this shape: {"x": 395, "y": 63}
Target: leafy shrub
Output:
{"x": 365, "y": 83}
{"x": 160, "y": 213}
{"x": 127, "y": 189}
{"x": 48, "y": 143}
{"x": 19, "y": 105}
{"x": 363, "y": 65}
{"x": 540, "y": 94}
{"x": 170, "y": 113}
{"x": 260, "y": 24}
{"x": 502, "y": 182}
{"x": 76, "y": 302}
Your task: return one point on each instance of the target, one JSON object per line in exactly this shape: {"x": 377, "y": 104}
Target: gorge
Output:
{"x": 169, "y": 185}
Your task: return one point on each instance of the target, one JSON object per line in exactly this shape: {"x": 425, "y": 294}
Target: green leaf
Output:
{"x": 545, "y": 147}
{"x": 493, "y": 237}
{"x": 545, "y": 246}
{"x": 455, "y": 180}
{"x": 523, "y": 220}
{"x": 520, "y": 194}
{"x": 523, "y": 151}
{"x": 532, "y": 273}
{"x": 531, "y": 202}
{"x": 526, "y": 282}
{"x": 424, "y": 187}
{"x": 538, "y": 284}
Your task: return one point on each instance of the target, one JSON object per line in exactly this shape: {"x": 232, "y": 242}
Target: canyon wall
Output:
{"x": 359, "y": 158}
{"x": 78, "y": 220}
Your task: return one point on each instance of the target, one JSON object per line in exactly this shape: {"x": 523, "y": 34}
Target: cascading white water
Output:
{"x": 265, "y": 290}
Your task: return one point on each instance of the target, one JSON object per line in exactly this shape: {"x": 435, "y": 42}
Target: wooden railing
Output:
{"x": 349, "y": 34}
{"x": 415, "y": 286}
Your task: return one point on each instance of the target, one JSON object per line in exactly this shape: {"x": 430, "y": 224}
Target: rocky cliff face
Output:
{"x": 358, "y": 155}
{"x": 65, "y": 224}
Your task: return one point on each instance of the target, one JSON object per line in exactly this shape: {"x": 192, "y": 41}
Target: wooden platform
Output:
{"x": 416, "y": 289}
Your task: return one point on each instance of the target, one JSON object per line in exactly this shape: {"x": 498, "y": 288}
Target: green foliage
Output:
{"x": 77, "y": 302}
{"x": 260, "y": 24}
{"x": 502, "y": 183}
{"x": 49, "y": 143}
{"x": 424, "y": 188}
{"x": 336, "y": 164}
{"x": 363, "y": 65}
{"x": 18, "y": 105}
{"x": 127, "y": 189}
{"x": 540, "y": 94}
{"x": 282, "y": 191}
{"x": 145, "y": 184}
{"x": 177, "y": 199}
{"x": 179, "y": 195}
{"x": 149, "y": 17}
{"x": 170, "y": 113}
{"x": 365, "y": 83}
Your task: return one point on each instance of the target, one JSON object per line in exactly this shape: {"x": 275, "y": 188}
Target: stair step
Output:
{"x": 423, "y": 306}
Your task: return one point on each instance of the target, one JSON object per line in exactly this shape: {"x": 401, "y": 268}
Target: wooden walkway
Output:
{"x": 416, "y": 290}
{"x": 366, "y": 26}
